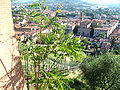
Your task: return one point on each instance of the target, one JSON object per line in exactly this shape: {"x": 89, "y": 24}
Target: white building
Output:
{"x": 107, "y": 30}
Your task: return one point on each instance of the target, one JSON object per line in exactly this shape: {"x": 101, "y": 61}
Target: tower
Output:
{"x": 81, "y": 16}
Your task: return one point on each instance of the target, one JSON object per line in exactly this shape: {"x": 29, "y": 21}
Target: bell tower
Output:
{"x": 81, "y": 16}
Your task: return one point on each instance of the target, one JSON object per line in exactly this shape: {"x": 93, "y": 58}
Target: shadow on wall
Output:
{"x": 15, "y": 77}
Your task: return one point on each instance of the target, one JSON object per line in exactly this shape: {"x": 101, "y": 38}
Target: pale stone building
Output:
{"x": 98, "y": 22}
{"x": 84, "y": 28}
{"x": 107, "y": 30}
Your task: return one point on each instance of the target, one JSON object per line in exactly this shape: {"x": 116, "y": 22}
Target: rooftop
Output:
{"x": 104, "y": 28}
{"x": 98, "y": 20}
{"x": 115, "y": 33}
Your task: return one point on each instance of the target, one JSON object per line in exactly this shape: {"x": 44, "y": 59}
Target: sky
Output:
{"x": 25, "y": 0}
{"x": 103, "y": 1}
{"x": 91, "y": 1}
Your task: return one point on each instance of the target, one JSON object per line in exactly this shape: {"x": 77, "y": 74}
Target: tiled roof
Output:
{"x": 116, "y": 33}
{"x": 29, "y": 33}
{"x": 85, "y": 22}
{"x": 28, "y": 27}
{"x": 98, "y": 20}
{"x": 18, "y": 32}
{"x": 17, "y": 26}
{"x": 36, "y": 27}
{"x": 18, "y": 37}
{"x": 105, "y": 28}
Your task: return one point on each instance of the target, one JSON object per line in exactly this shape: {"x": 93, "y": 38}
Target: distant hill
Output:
{"x": 48, "y": 1}
{"x": 66, "y": 4}
{"x": 71, "y": 2}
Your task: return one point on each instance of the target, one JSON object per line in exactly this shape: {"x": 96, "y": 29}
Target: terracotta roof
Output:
{"x": 17, "y": 26}
{"x": 86, "y": 22}
{"x": 29, "y": 33}
{"x": 52, "y": 14}
{"x": 28, "y": 27}
{"x": 104, "y": 40}
{"x": 18, "y": 37}
{"x": 36, "y": 27}
{"x": 115, "y": 33}
{"x": 98, "y": 20}
{"x": 105, "y": 28}
{"x": 18, "y": 32}
{"x": 74, "y": 19}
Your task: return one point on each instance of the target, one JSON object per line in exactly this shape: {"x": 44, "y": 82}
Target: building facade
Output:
{"x": 84, "y": 28}
{"x": 106, "y": 29}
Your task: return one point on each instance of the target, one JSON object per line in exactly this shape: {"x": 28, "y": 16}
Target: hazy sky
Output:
{"x": 92, "y": 1}
{"x": 103, "y": 1}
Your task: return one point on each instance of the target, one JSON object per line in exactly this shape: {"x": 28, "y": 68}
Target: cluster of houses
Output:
{"x": 92, "y": 28}
{"x": 25, "y": 29}
{"x": 87, "y": 27}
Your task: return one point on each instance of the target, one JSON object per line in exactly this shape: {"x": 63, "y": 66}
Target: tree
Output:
{"x": 96, "y": 46}
{"x": 102, "y": 35}
{"x": 11, "y": 74}
{"x": 117, "y": 50}
{"x": 55, "y": 43}
{"x": 101, "y": 72}
{"x": 113, "y": 43}
{"x": 85, "y": 42}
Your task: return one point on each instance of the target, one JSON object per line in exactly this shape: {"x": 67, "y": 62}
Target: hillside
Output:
{"x": 66, "y": 4}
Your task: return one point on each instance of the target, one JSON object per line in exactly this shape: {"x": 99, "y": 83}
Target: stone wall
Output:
{"x": 11, "y": 73}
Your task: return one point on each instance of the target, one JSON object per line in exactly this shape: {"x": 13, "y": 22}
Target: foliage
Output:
{"x": 96, "y": 46}
{"x": 56, "y": 43}
{"x": 85, "y": 41}
{"x": 79, "y": 85}
{"x": 93, "y": 27}
{"x": 117, "y": 50}
{"x": 89, "y": 13}
{"x": 102, "y": 35}
{"x": 113, "y": 43}
{"x": 102, "y": 72}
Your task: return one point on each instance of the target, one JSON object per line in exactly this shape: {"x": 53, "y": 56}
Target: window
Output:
{"x": 83, "y": 33}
